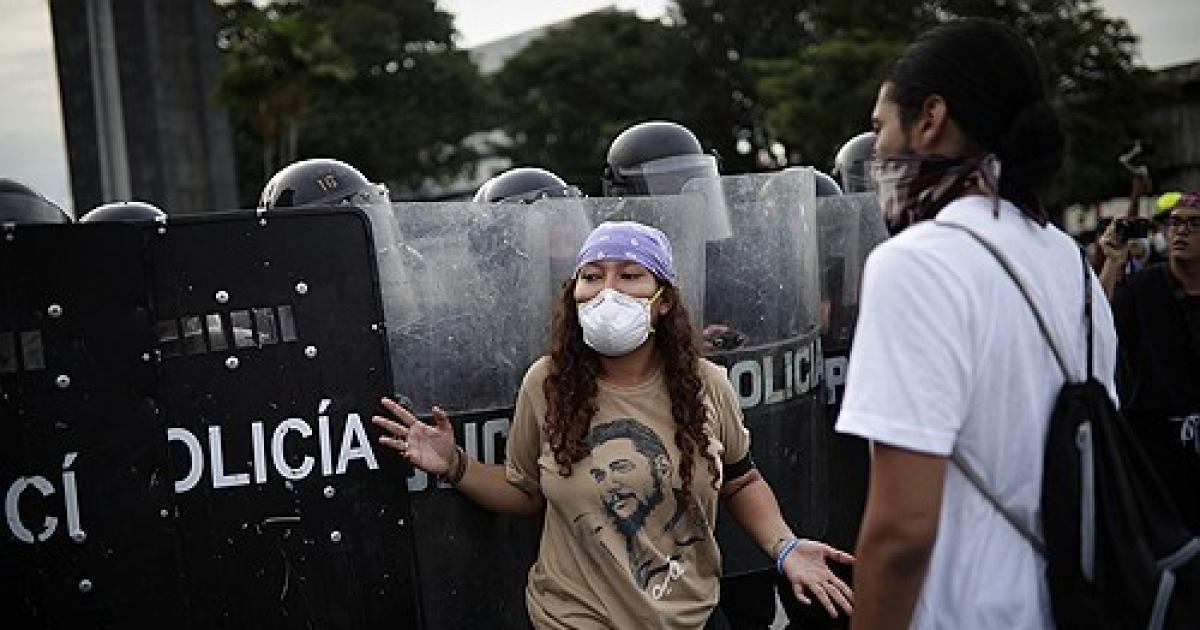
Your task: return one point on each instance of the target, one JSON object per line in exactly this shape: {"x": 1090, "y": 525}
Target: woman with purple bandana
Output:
{"x": 623, "y": 441}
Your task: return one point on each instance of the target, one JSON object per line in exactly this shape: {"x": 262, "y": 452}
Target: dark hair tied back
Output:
{"x": 991, "y": 81}
{"x": 1030, "y": 152}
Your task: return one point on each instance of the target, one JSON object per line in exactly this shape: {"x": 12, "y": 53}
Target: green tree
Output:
{"x": 271, "y": 62}
{"x": 819, "y": 98}
{"x": 823, "y": 93}
{"x": 402, "y": 112}
{"x": 1104, "y": 96}
{"x": 569, "y": 93}
{"x": 724, "y": 34}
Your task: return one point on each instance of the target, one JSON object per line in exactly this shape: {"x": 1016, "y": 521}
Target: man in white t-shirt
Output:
{"x": 948, "y": 360}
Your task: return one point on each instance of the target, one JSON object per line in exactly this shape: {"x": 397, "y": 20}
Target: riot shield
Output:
{"x": 684, "y": 219}
{"x": 272, "y": 362}
{"x": 193, "y": 447}
{"x": 485, "y": 277}
{"x": 761, "y": 323}
{"x": 90, "y": 540}
{"x": 849, "y": 227}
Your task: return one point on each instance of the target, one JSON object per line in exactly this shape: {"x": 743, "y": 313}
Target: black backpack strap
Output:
{"x": 966, "y": 469}
{"x": 1087, "y": 311}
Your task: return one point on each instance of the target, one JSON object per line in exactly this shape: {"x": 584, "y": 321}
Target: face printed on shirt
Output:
{"x": 645, "y": 522}
{"x": 631, "y": 482}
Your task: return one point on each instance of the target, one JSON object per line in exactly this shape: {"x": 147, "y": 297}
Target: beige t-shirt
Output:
{"x": 619, "y": 549}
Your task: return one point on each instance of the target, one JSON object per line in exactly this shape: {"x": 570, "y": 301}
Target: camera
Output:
{"x": 1128, "y": 227}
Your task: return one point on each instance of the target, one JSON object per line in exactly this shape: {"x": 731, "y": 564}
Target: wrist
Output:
{"x": 784, "y": 551}
{"x": 777, "y": 545}
{"x": 457, "y": 467}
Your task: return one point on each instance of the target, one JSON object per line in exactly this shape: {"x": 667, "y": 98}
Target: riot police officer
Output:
{"x": 657, "y": 157}
{"x": 318, "y": 182}
{"x": 329, "y": 182}
{"x": 524, "y": 184}
{"x": 850, "y": 165}
{"x": 827, "y": 186}
{"x": 663, "y": 158}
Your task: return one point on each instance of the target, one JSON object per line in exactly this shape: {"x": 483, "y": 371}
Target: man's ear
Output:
{"x": 931, "y": 124}
{"x": 934, "y": 131}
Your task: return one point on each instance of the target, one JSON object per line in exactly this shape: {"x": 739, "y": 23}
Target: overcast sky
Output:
{"x": 31, "y": 133}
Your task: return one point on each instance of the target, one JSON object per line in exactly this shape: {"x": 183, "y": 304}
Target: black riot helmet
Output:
{"x": 850, "y": 165}
{"x": 525, "y": 184}
{"x": 23, "y": 205}
{"x": 124, "y": 212}
{"x": 327, "y": 182}
{"x": 826, "y": 185}
{"x": 655, "y": 158}
{"x": 315, "y": 182}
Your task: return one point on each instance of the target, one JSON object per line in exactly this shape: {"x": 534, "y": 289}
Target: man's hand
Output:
{"x": 1114, "y": 247}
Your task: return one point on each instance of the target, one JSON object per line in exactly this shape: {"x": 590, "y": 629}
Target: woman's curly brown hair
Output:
{"x": 571, "y": 385}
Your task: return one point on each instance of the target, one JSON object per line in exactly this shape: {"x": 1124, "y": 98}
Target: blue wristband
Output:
{"x": 783, "y": 553}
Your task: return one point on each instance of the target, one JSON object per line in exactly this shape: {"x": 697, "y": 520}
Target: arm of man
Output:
{"x": 899, "y": 527}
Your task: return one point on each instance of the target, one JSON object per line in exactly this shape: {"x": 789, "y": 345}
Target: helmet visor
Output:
{"x": 559, "y": 192}
{"x": 664, "y": 176}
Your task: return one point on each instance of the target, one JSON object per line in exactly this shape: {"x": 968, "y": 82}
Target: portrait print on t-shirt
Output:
{"x": 641, "y": 517}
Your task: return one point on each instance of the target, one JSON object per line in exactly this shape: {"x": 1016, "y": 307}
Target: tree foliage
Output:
{"x": 378, "y": 84}
{"x": 569, "y": 93}
{"x": 732, "y": 116}
{"x": 822, "y": 93}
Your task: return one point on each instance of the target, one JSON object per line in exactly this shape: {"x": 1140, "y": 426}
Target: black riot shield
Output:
{"x": 90, "y": 538}
{"x": 485, "y": 277}
{"x": 190, "y": 443}
{"x": 270, "y": 336}
{"x": 760, "y": 321}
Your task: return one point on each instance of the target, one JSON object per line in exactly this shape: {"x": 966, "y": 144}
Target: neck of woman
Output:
{"x": 632, "y": 369}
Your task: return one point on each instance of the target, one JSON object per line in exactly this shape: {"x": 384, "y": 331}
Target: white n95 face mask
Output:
{"x": 615, "y": 324}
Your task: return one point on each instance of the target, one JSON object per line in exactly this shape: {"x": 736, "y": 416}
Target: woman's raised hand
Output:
{"x": 430, "y": 448}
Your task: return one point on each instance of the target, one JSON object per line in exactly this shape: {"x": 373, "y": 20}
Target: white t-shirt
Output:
{"x": 947, "y": 356}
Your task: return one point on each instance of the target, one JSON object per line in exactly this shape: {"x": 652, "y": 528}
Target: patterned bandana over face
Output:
{"x": 632, "y": 241}
{"x": 913, "y": 188}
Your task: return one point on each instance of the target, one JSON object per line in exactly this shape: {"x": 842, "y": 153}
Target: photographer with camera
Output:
{"x": 1157, "y": 315}
{"x": 1123, "y": 246}
{"x": 1122, "y": 249}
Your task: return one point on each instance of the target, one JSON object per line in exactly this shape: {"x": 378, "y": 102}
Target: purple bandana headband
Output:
{"x": 628, "y": 240}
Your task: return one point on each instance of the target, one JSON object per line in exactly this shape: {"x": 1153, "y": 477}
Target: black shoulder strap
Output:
{"x": 969, "y": 472}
